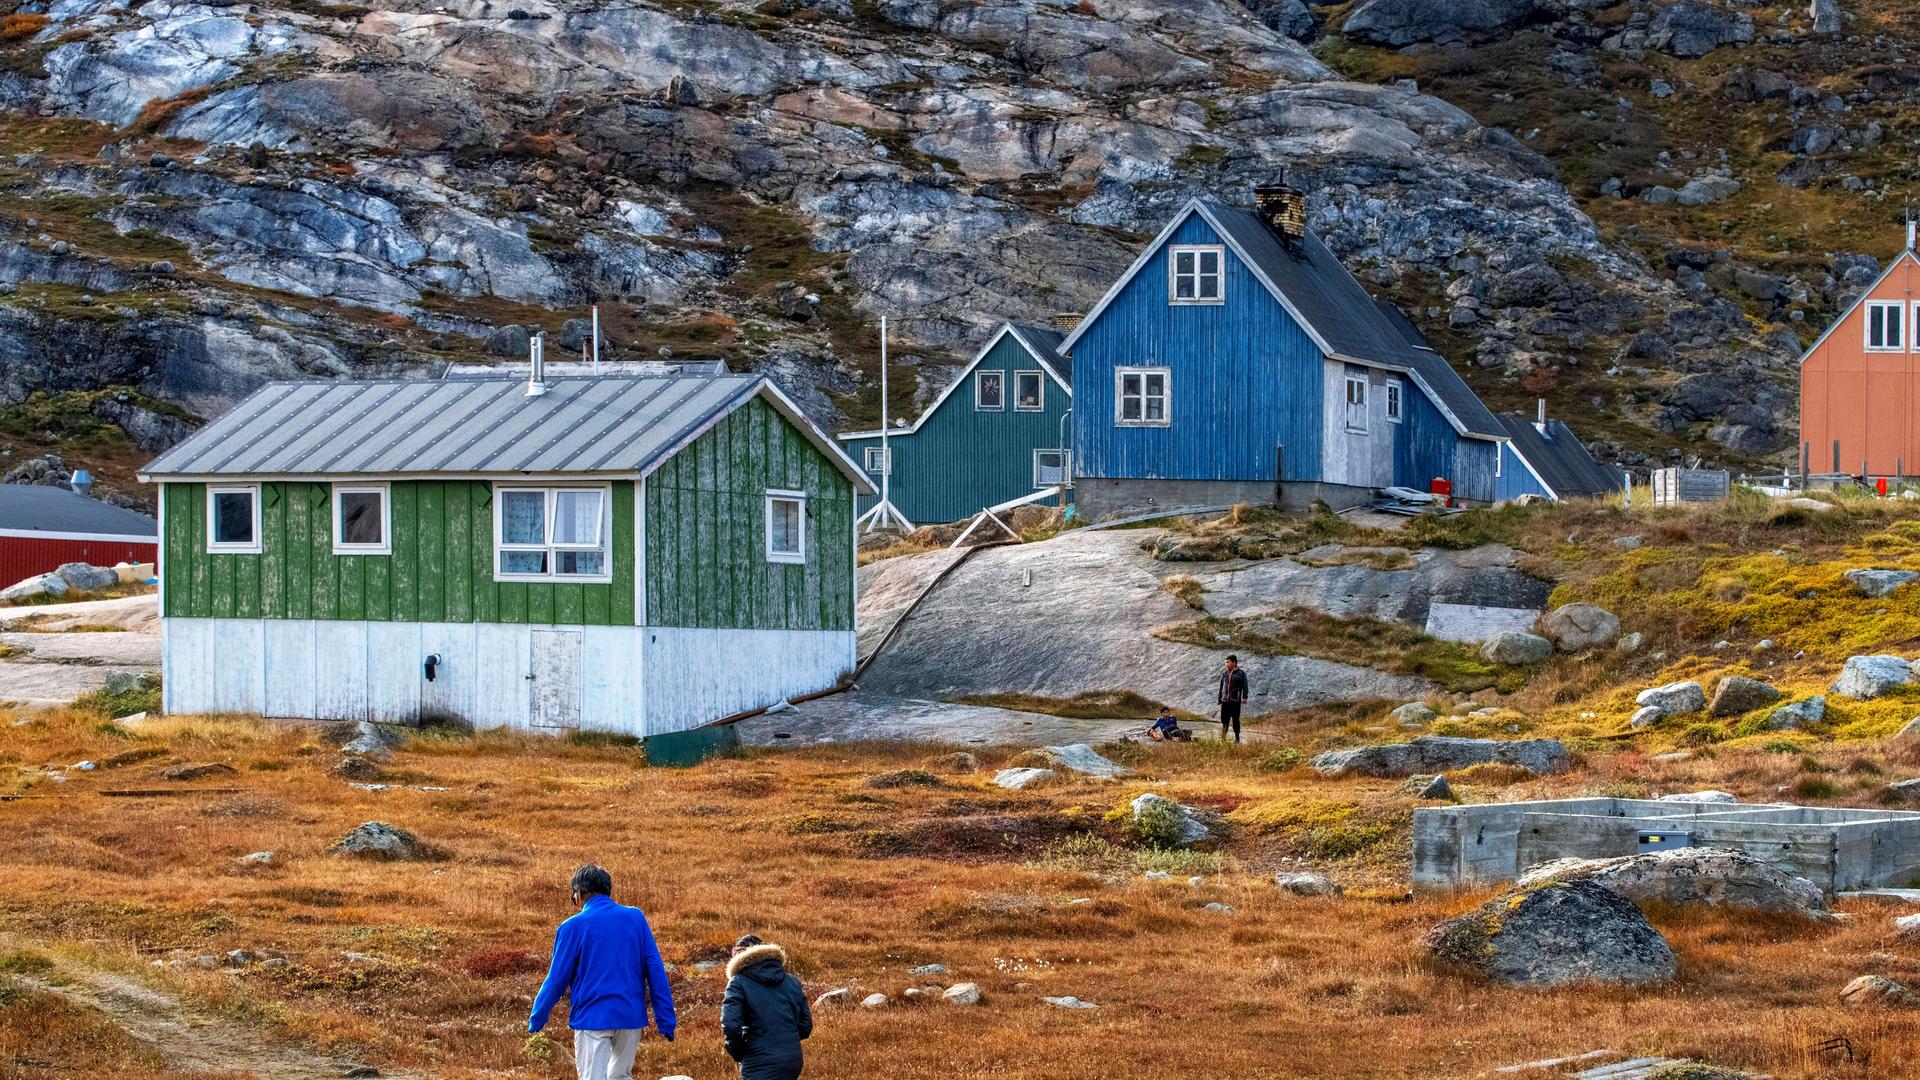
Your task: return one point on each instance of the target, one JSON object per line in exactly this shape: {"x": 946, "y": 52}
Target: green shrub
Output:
{"x": 1156, "y": 825}
{"x": 143, "y": 697}
{"x": 1813, "y": 787}
{"x": 1285, "y": 759}
{"x": 1780, "y": 746}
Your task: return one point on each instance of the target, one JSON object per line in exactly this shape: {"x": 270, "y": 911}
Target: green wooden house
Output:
{"x": 997, "y": 432}
{"x": 628, "y": 553}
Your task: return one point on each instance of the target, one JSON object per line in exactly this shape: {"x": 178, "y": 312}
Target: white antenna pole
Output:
{"x": 596, "y": 339}
{"x": 886, "y": 450}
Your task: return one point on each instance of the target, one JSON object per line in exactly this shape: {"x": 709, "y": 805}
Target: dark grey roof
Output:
{"x": 1044, "y": 342}
{"x": 37, "y": 508}
{"x": 1345, "y": 316}
{"x": 1560, "y": 459}
{"x": 604, "y": 424}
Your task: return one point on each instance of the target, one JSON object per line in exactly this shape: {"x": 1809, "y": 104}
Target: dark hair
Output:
{"x": 1233, "y": 658}
{"x": 591, "y": 880}
{"x": 1166, "y": 708}
{"x": 747, "y": 941}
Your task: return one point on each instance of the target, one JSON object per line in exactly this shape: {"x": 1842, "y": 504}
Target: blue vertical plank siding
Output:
{"x": 959, "y": 459}
{"x": 1515, "y": 478}
{"x": 1245, "y": 380}
{"x": 1428, "y": 446}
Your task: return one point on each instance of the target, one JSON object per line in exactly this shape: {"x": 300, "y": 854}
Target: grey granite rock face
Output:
{"x": 1715, "y": 877}
{"x": 1871, "y": 676}
{"x": 1554, "y": 934}
{"x": 1438, "y": 754}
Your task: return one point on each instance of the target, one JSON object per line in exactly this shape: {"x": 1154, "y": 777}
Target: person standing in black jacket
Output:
{"x": 1233, "y": 694}
{"x": 764, "y": 1015}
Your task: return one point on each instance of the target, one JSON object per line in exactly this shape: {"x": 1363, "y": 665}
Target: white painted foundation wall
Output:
{"x": 638, "y": 680}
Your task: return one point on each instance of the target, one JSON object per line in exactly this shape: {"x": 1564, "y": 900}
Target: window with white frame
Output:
{"x": 551, "y": 533}
{"x": 1194, "y": 272}
{"x": 786, "y": 526}
{"x": 1142, "y": 396}
{"x": 1029, "y": 391}
{"x": 1356, "y": 403}
{"x": 1885, "y": 326}
{"x": 360, "y": 520}
{"x": 877, "y": 459}
{"x": 1395, "y": 396}
{"x": 233, "y": 519}
{"x": 1049, "y": 468}
{"x": 989, "y": 390}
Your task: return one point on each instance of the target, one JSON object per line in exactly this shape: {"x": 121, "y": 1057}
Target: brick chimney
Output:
{"x": 1066, "y": 321}
{"x": 1284, "y": 210}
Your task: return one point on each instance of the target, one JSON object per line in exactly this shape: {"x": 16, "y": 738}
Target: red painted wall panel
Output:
{"x": 1867, "y": 401}
{"x": 22, "y": 557}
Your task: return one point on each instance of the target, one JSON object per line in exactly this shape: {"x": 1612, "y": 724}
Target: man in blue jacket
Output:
{"x": 606, "y": 962}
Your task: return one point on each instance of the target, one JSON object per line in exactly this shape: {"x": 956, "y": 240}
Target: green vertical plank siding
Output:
{"x": 706, "y": 531}
{"x": 440, "y": 570}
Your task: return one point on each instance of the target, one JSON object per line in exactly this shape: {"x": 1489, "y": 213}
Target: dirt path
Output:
{"x": 192, "y": 1040}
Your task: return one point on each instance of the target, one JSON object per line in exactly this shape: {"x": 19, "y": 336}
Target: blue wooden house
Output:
{"x": 997, "y": 432}
{"x": 1544, "y": 457}
{"x": 1237, "y": 360}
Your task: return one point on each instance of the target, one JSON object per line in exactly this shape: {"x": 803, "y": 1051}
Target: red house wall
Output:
{"x": 1869, "y": 402}
{"x": 23, "y": 557}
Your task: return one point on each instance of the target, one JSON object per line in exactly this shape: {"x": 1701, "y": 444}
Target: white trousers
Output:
{"x": 605, "y": 1055}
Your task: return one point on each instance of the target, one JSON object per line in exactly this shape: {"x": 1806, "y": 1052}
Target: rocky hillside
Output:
{"x": 1639, "y": 210}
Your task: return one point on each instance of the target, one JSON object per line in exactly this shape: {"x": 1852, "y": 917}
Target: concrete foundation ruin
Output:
{"x": 1838, "y": 849}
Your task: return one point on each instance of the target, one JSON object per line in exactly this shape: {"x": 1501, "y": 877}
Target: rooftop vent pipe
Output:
{"x": 537, "y": 365}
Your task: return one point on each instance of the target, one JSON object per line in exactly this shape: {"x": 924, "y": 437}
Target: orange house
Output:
{"x": 1860, "y": 383}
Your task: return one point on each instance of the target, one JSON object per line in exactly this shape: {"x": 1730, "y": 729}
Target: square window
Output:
{"x": 786, "y": 527}
{"x": 1195, "y": 274}
{"x": 989, "y": 390}
{"x": 1049, "y": 468}
{"x": 233, "y": 520}
{"x": 523, "y": 517}
{"x": 877, "y": 459}
{"x": 360, "y": 519}
{"x": 1141, "y": 397}
{"x": 1029, "y": 391}
{"x": 1885, "y": 326}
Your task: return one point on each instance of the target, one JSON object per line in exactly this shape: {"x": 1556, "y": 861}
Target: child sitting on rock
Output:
{"x": 1168, "y": 729}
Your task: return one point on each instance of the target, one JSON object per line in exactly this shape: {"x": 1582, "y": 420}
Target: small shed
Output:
{"x": 42, "y": 527}
{"x": 622, "y": 553}
{"x": 1544, "y": 457}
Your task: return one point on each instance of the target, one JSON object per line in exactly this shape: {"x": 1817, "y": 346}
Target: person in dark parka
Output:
{"x": 764, "y": 1015}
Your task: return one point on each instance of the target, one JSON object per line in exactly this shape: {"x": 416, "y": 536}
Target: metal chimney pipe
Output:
{"x": 537, "y": 365}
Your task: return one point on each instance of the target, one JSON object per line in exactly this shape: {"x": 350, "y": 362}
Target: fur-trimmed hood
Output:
{"x": 758, "y": 954}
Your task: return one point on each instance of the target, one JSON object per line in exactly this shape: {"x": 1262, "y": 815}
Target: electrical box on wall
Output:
{"x": 1664, "y": 841}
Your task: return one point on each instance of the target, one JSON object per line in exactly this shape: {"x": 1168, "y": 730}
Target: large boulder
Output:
{"x": 1675, "y": 697}
{"x": 1441, "y": 753}
{"x": 1716, "y": 877}
{"x": 1404, "y": 22}
{"x": 1303, "y": 883}
{"x": 1877, "y": 990}
{"x": 1515, "y": 647}
{"x": 1692, "y": 28}
{"x": 1874, "y": 582}
{"x": 37, "y": 585}
{"x": 1737, "y": 694}
{"x": 1555, "y": 933}
{"x": 86, "y": 577}
{"x": 1414, "y": 714}
{"x": 1798, "y": 714}
{"x": 379, "y": 840}
{"x": 1871, "y": 676}
{"x": 1577, "y": 627}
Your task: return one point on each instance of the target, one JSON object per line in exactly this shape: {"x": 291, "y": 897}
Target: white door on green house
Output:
{"x": 555, "y": 671}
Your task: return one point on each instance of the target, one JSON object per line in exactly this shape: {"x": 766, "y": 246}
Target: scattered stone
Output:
{"x": 1515, "y": 647}
{"x": 1218, "y": 906}
{"x": 1015, "y": 779}
{"x": 1825, "y": 15}
{"x": 257, "y": 859}
{"x": 1414, "y": 714}
{"x": 874, "y": 1001}
{"x": 1192, "y": 831}
{"x": 1705, "y": 190}
{"x": 928, "y": 969}
{"x": 1700, "y": 797}
{"x": 1871, "y": 676}
{"x": 1630, "y": 643}
{"x": 82, "y": 766}
{"x": 1626, "y": 543}
{"x": 1878, "y": 581}
{"x": 1676, "y": 697}
{"x": 1069, "y": 1002}
{"x": 356, "y": 767}
{"x": 1196, "y": 881}
{"x": 839, "y": 996}
{"x": 965, "y": 993}
{"x": 1737, "y": 694}
{"x": 1301, "y": 883}
{"x": 1909, "y": 733}
{"x": 197, "y": 771}
{"x": 1907, "y": 926}
{"x": 1577, "y": 627}
{"x": 370, "y": 740}
{"x": 1440, "y": 754}
{"x": 1798, "y": 714}
{"x": 1815, "y": 505}
{"x": 124, "y": 682}
{"x": 1438, "y": 789}
{"x": 1877, "y": 990}
{"x": 275, "y": 963}
{"x": 1905, "y": 789}
{"x": 1645, "y": 717}
{"x": 1158, "y": 875}
{"x": 379, "y": 840}
{"x": 1555, "y": 933}
{"x": 1716, "y": 877}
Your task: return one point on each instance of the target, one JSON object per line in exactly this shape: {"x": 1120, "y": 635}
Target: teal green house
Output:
{"x": 626, "y": 553}
{"x": 997, "y": 432}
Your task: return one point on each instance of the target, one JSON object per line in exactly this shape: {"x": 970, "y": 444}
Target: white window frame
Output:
{"x": 1348, "y": 404}
{"x": 1119, "y": 396}
{"x": 780, "y": 495}
{"x": 1396, "y": 404}
{"x": 1066, "y": 461}
{"x": 1899, "y": 309}
{"x": 977, "y": 404}
{"x": 1219, "y": 252}
{"x": 1040, "y": 398}
{"x": 251, "y": 547}
{"x": 385, "y": 546}
{"x": 878, "y": 460}
{"x": 552, "y": 574}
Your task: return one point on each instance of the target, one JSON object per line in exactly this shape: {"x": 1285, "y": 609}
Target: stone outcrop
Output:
{"x": 1553, "y": 934}
{"x": 1715, "y": 877}
{"x": 1879, "y": 582}
{"x": 1515, "y": 647}
{"x": 1578, "y": 627}
{"x": 379, "y": 840}
{"x": 1737, "y": 694}
{"x": 1871, "y": 676}
{"x": 1798, "y": 714}
{"x": 1673, "y": 698}
{"x": 1439, "y": 754}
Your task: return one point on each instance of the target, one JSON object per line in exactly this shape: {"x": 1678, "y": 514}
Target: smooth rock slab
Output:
{"x": 1069, "y": 1002}
{"x": 1440, "y": 753}
{"x": 1016, "y": 779}
{"x": 1865, "y": 677}
{"x": 1554, "y": 934}
{"x": 1715, "y": 877}
{"x": 1737, "y": 694}
{"x": 1700, "y": 797}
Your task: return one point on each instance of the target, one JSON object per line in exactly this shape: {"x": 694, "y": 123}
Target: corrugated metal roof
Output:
{"x": 1560, "y": 458}
{"x": 1345, "y": 316}
{"x": 41, "y": 508}
{"x": 604, "y": 424}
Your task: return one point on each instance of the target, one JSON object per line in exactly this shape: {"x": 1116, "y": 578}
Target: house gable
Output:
{"x": 1860, "y": 407}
